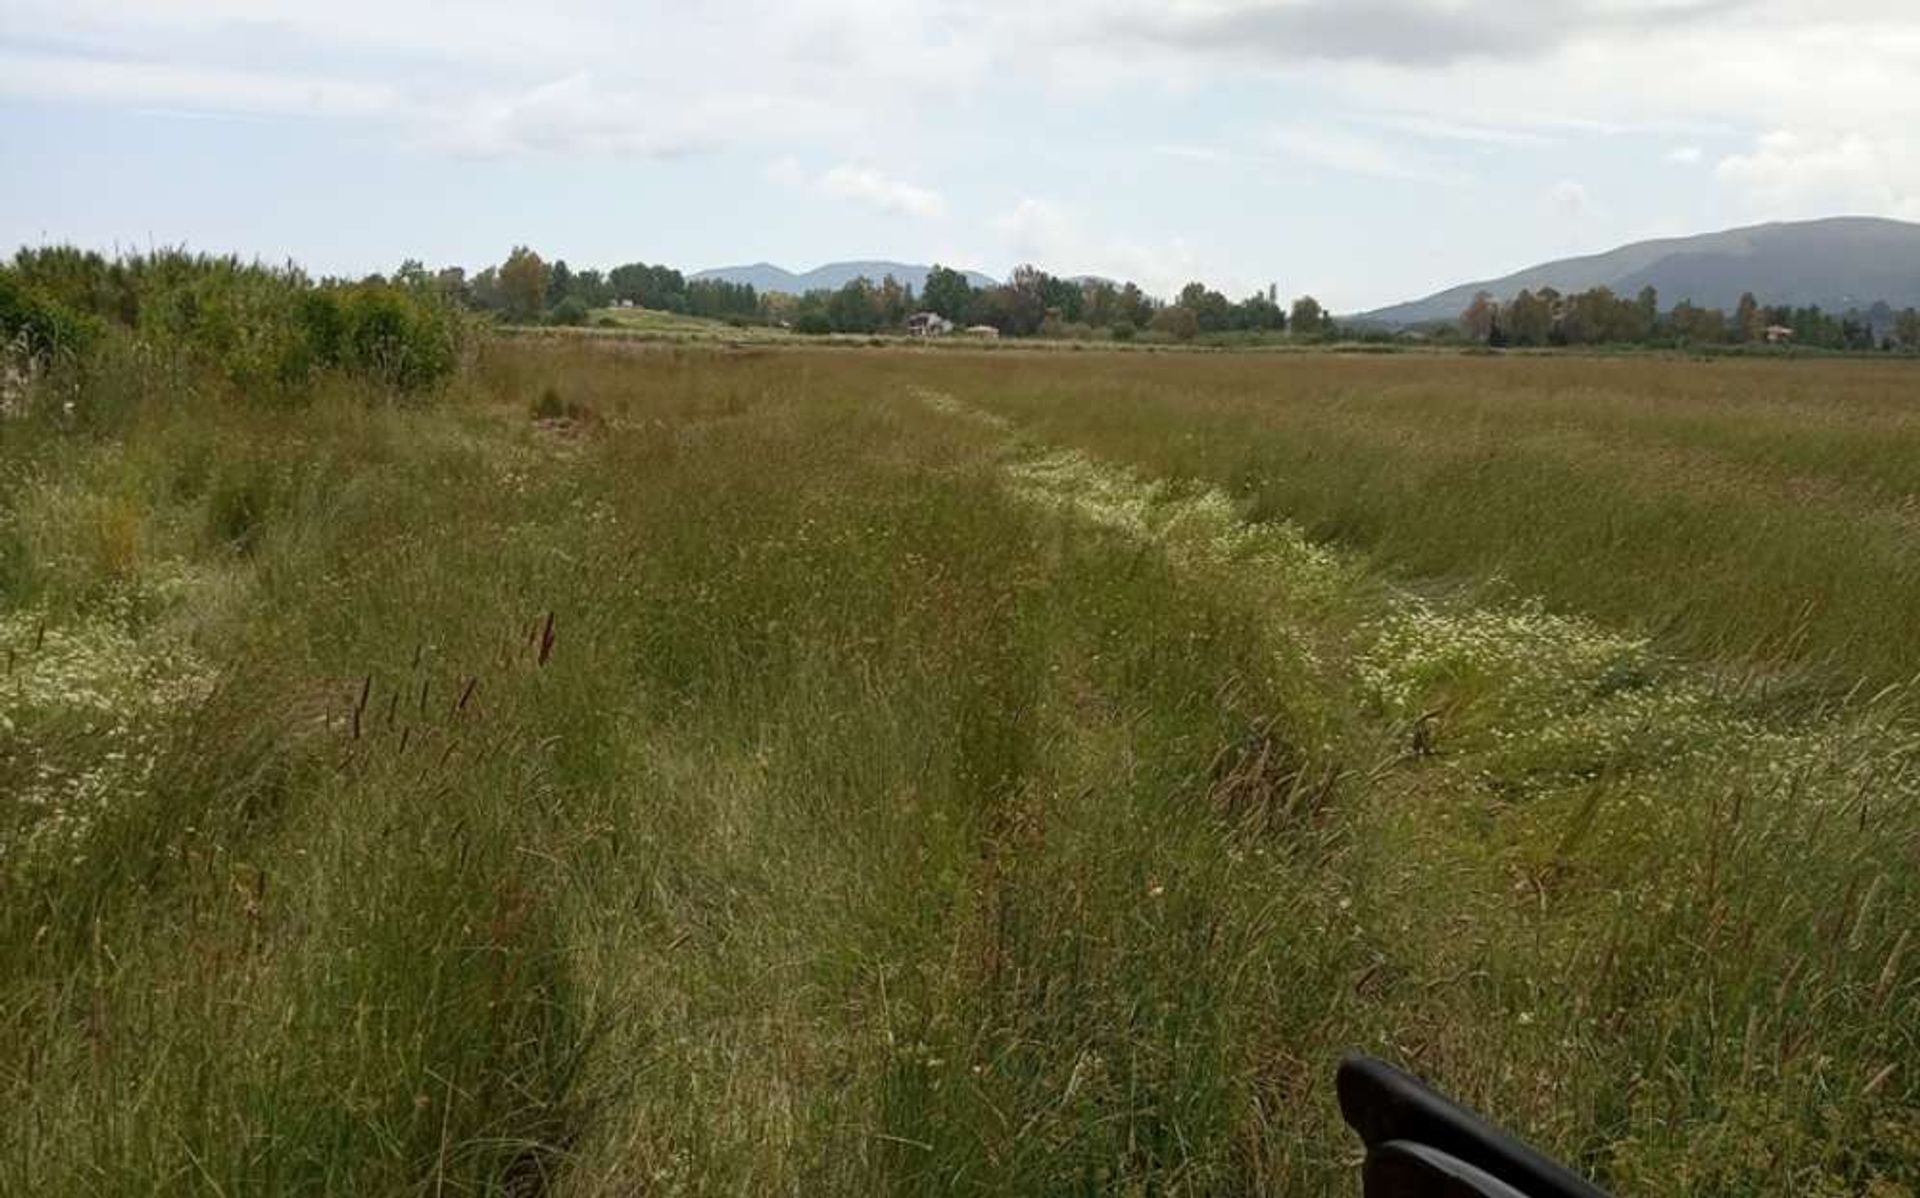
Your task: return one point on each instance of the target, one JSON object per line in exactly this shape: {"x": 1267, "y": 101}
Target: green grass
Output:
{"x": 1760, "y": 513}
{"x": 842, "y": 772}
{"x": 678, "y": 326}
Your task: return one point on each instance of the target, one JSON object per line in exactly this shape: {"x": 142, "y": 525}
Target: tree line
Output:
{"x": 526, "y": 289}
{"x": 1600, "y": 317}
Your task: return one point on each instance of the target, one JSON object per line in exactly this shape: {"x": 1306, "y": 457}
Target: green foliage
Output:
{"x": 1308, "y": 318}
{"x": 948, "y": 292}
{"x": 854, "y": 308}
{"x": 570, "y": 312}
{"x": 658, "y": 287}
{"x": 265, "y": 330}
{"x": 1599, "y": 317}
{"x": 523, "y": 285}
{"x": 45, "y": 328}
{"x": 1178, "y": 322}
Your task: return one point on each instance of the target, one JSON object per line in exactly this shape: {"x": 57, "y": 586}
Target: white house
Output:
{"x": 928, "y": 324}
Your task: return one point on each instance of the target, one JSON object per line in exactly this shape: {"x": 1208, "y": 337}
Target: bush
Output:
{"x": 570, "y": 312}
{"x": 813, "y": 324}
{"x": 1177, "y": 322}
{"x": 44, "y": 327}
{"x": 1124, "y": 331}
{"x": 398, "y": 338}
{"x": 268, "y": 330}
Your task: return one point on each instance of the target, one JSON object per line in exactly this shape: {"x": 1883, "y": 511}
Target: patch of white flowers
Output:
{"x": 947, "y": 405}
{"x": 1195, "y": 526}
{"x": 1524, "y": 698}
{"x": 1534, "y": 660}
{"x": 81, "y": 712}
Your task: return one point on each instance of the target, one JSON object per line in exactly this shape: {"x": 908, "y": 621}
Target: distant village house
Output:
{"x": 928, "y": 324}
{"x": 1778, "y": 334}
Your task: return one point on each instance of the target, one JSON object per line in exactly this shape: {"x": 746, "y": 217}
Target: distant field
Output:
{"x": 674, "y": 326}
{"x": 885, "y": 771}
{"x": 1765, "y": 513}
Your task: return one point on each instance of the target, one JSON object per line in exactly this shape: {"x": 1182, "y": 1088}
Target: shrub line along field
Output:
{"x": 642, "y": 769}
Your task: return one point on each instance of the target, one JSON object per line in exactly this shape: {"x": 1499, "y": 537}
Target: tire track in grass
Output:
{"x": 1580, "y": 865}
{"x": 1589, "y": 698}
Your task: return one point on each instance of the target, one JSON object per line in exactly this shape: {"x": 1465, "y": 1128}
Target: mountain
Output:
{"x": 1839, "y": 263}
{"x": 764, "y": 276}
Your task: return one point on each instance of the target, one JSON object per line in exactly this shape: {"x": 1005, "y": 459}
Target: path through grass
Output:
{"x": 795, "y": 773}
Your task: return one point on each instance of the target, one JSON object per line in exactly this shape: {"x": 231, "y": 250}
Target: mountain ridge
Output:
{"x": 1836, "y": 263}
{"x": 766, "y": 276}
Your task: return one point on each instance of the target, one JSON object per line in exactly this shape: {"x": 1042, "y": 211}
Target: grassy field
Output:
{"x": 899, "y": 771}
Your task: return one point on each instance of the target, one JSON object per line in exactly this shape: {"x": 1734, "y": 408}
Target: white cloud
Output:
{"x": 1684, "y": 155}
{"x": 1343, "y": 150}
{"x": 1443, "y": 129}
{"x": 182, "y": 87}
{"x": 575, "y": 115}
{"x": 1570, "y": 201}
{"x": 873, "y": 188}
{"x": 1800, "y": 174}
{"x": 863, "y": 185}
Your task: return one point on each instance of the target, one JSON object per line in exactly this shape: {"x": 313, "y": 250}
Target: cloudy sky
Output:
{"x": 1365, "y": 151}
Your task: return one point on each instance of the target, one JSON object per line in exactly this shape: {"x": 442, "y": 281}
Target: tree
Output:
{"x": 1529, "y": 320}
{"x": 1259, "y": 313}
{"x": 1748, "y": 322}
{"x": 1309, "y": 318}
{"x": 523, "y": 285}
{"x": 1477, "y": 321}
{"x": 559, "y": 282}
{"x": 855, "y": 307}
{"x": 484, "y": 291}
{"x": 1060, "y": 297}
{"x": 1016, "y": 308}
{"x": 1177, "y": 322}
{"x": 1099, "y": 303}
{"x": 1906, "y": 329}
{"x": 1134, "y": 307}
{"x": 1211, "y": 311}
{"x": 452, "y": 284}
{"x": 947, "y": 292}
{"x": 592, "y": 288}
{"x": 1646, "y": 314}
{"x": 658, "y": 287}
{"x": 895, "y": 303}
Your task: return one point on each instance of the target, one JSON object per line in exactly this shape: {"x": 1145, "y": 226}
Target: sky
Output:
{"x": 1363, "y": 151}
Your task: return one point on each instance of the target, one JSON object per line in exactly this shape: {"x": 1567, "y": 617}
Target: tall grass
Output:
{"x": 684, "y": 771}
{"x": 1753, "y": 511}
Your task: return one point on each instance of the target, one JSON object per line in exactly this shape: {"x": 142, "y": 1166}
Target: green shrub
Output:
{"x": 268, "y": 330}
{"x": 45, "y": 327}
{"x": 570, "y": 312}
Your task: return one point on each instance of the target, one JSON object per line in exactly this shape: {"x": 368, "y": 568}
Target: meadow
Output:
{"x": 647, "y": 769}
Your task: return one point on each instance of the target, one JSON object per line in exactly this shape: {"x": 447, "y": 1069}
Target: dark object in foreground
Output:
{"x": 1422, "y": 1144}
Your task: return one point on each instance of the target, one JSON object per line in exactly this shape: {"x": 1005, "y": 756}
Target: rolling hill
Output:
{"x": 1838, "y": 263}
{"x": 764, "y": 276}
